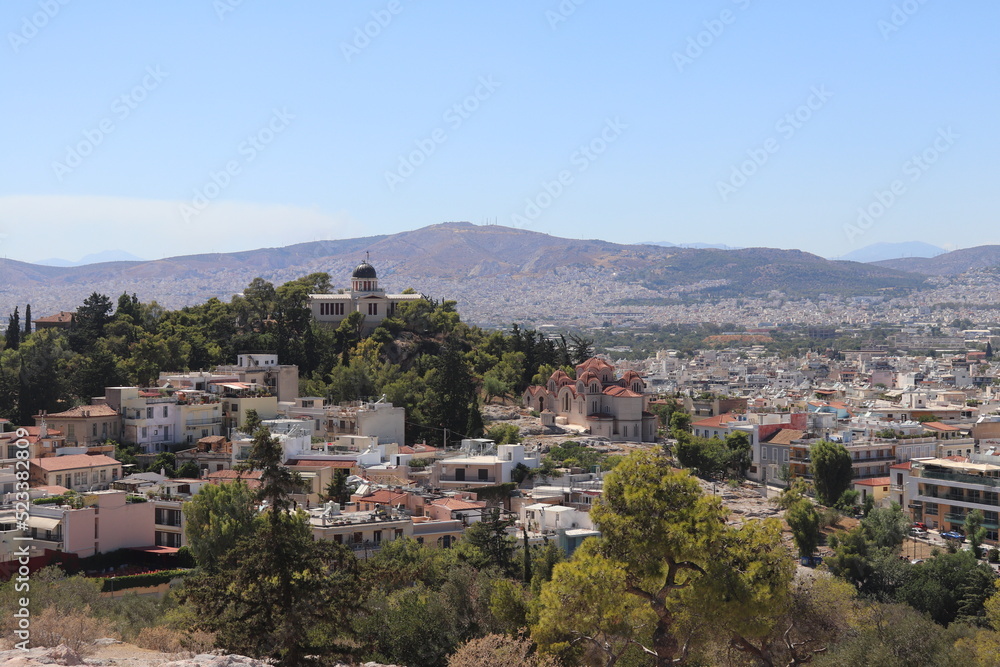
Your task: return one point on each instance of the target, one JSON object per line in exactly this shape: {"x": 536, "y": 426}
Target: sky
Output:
{"x": 175, "y": 128}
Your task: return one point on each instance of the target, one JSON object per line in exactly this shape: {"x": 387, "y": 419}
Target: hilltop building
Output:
{"x": 364, "y": 296}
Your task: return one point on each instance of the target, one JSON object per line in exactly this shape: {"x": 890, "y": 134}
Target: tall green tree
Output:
{"x": 217, "y": 517}
{"x": 975, "y": 532}
{"x": 831, "y": 470}
{"x": 656, "y": 522}
{"x": 27, "y": 320}
{"x": 12, "y": 336}
{"x": 803, "y": 519}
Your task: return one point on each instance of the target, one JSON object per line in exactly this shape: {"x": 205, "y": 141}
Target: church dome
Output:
{"x": 364, "y": 270}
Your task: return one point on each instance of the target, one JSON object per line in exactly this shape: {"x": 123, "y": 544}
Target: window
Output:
{"x": 165, "y": 411}
{"x": 459, "y": 474}
{"x": 786, "y": 456}
{"x": 484, "y": 474}
{"x": 338, "y": 309}
{"x": 104, "y": 475}
{"x": 377, "y": 539}
{"x": 145, "y": 432}
{"x": 357, "y": 538}
{"x": 58, "y": 480}
{"x": 338, "y": 538}
{"x": 373, "y": 309}
{"x": 94, "y": 429}
{"x": 149, "y": 413}
{"x": 763, "y": 453}
{"x": 931, "y": 509}
{"x": 71, "y": 431}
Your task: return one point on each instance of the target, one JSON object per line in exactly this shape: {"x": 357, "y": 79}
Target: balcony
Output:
{"x": 964, "y": 479}
{"x": 873, "y": 459}
{"x": 203, "y": 422}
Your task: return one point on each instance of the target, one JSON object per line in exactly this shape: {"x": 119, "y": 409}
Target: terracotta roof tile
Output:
{"x": 73, "y": 461}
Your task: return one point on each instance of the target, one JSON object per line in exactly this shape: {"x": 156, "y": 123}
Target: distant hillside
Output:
{"x": 760, "y": 270}
{"x": 93, "y": 258}
{"x": 877, "y": 252}
{"x": 950, "y": 263}
{"x": 480, "y": 266}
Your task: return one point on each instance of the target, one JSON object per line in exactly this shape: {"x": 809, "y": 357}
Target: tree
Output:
{"x": 680, "y": 422}
{"x": 278, "y": 593}
{"x": 337, "y": 490}
{"x": 89, "y": 321}
{"x": 490, "y": 536}
{"x": 189, "y": 470}
{"x": 13, "y": 334}
{"x": 974, "y": 530}
{"x": 886, "y": 526}
{"x": 831, "y": 470}
{"x": 586, "y": 603}
{"x": 217, "y": 517}
{"x": 27, "y": 320}
{"x": 739, "y": 454}
{"x": 656, "y": 522}
{"x": 804, "y": 522}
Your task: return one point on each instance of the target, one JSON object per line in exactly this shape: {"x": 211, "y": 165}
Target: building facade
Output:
{"x": 364, "y": 296}
{"x": 615, "y": 408}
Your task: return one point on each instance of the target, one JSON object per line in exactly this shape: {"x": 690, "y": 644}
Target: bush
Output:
{"x": 166, "y": 640}
{"x": 75, "y": 629}
{"x": 499, "y": 651}
{"x": 993, "y": 555}
{"x": 141, "y": 580}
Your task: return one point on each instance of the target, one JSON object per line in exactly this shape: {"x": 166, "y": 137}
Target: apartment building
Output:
{"x": 84, "y": 425}
{"x": 78, "y": 472}
{"x": 941, "y": 492}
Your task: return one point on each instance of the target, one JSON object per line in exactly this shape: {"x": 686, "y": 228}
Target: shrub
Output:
{"x": 994, "y": 555}
{"x": 75, "y": 629}
{"x": 499, "y": 651}
{"x": 167, "y": 640}
{"x": 141, "y": 580}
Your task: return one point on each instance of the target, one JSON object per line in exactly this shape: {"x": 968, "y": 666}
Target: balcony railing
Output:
{"x": 958, "y": 477}
{"x": 204, "y": 422}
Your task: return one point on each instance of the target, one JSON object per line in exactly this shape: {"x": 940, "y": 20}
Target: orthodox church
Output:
{"x": 608, "y": 406}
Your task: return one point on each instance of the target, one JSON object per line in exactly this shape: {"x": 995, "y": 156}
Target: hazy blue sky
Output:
{"x": 625, "y": 121}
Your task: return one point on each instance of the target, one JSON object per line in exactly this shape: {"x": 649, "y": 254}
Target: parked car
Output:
{"x": 952, "y": 535}
{"x": 918, "y": 532}
{"x": 921, "y": 525}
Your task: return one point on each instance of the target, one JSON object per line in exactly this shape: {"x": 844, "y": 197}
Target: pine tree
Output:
{"x": 27, "y": 320}
{"x": 13, "y": 337}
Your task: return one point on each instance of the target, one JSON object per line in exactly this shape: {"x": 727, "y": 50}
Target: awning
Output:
{"x": 43, "y": 522}
{"x": 156, "y": 550}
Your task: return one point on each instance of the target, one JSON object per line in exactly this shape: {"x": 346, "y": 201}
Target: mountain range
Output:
{"x": 473, "y": 263}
